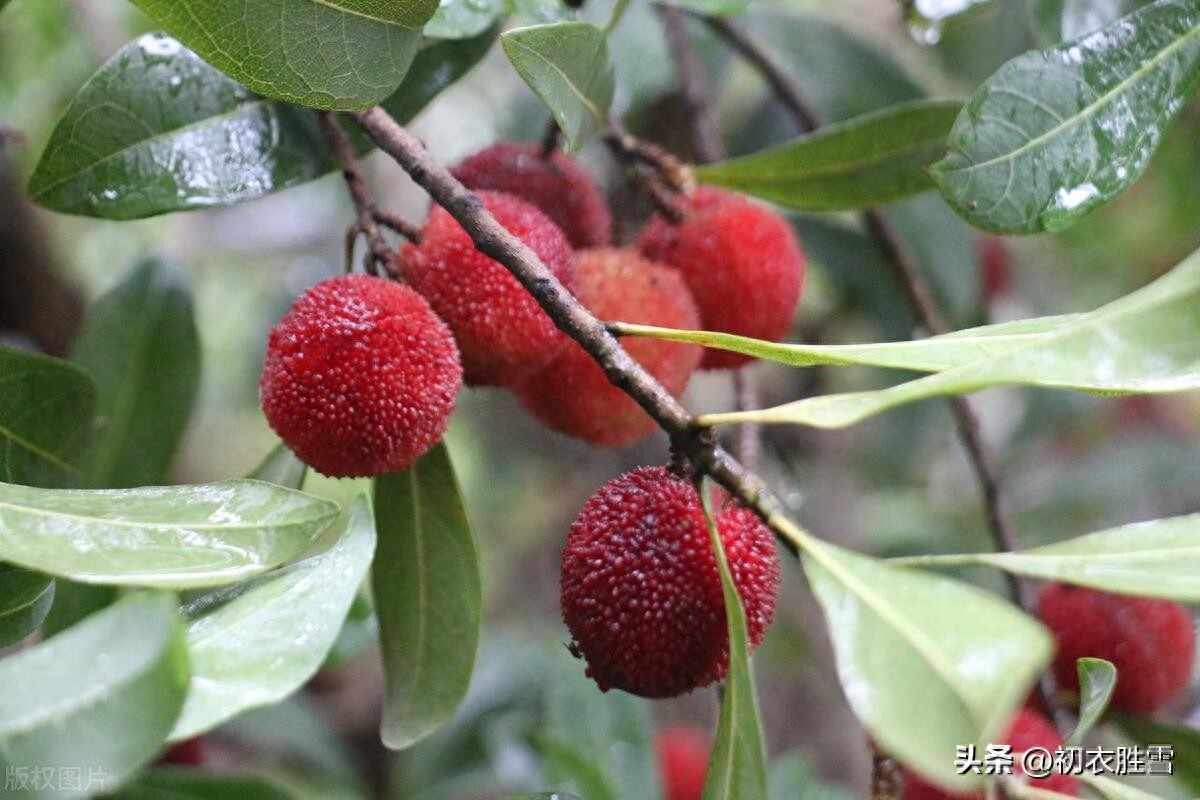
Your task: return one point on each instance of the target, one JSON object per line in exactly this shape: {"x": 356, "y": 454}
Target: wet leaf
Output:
{"x": 177, "y": 537}
{"x": 1056, "y": 133}
{"x": 1097, "y": 679}
{"x": 25, "y": 599}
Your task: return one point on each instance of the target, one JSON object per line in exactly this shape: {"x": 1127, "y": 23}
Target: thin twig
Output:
{"x": 378, "y": 252}
{"x": 492, "y": 239}
{"x": 551, "y": 139}
{"x": 397, "y": 223}
{"x": 663, "y": 176}
{"x": 706, "y": 137}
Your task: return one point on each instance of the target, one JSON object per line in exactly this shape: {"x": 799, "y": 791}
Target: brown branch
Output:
{"x": 378, "y": 252}
{"x": 663, "y": 176}
{"x": 706, "y": 137}
{"x": 576, "y": 321}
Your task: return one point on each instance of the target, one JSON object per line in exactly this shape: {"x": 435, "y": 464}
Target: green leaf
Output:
{"x": 463, "y": 19}
{"x": 1097, "y": 679}
{"x": 74, "y": 602}
{"x": 175, "y": 537}
{"x": 438, "y": 65}
{"x": 1110, "y": 789}
{"x": 865, "y": 162}
{"x": 570, "y": 764}
{"x": 282, "y": 468}
{"x": 738, "y": 765}
{"x": 100, "y": 697}
{"x": 1146, "y": 342}
{"x": 141, "y": 346}
{"x": 341, "y": 55}
{"x": 792, "y": 777}
{"x": 544, "y": 796}
{"x": 567, "y": 66}
{"x": 712, "y": 8}
{"x": 1056, "y": 133}
{"x": 973, "y": 656}
{"x": 1184, "y": 741}
{"x": 25, "y": 599}
{"x": 273, "y": 635}
{"x": 191, "y": 784}
{"x": 46, "y": 411}
{"x": 428, "y": 597}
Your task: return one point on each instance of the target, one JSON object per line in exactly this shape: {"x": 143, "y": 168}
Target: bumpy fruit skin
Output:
{"x": 572, "y": 394}
{"x": 1029, "y": 729}
{"x": 502, "y": 332}
{"x": 741, "y": 261}
{"x": 1152, "y": 643}
{"x": 683, "y": 755}
{"x": 360, "y": 377}
{"x": 641, "y": 594}
{"x": 558, "y": 185}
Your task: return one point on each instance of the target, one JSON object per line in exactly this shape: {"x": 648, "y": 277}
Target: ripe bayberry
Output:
{"x": 1152, "y": 643}
{"x": 1028, "y": 730}
{"x": 741, "y": 261}
{"x": 360, "y": 377}
{"x": 572, "y": 394}
{"x": 683, "y": 755}
{"x": 502, "y": 332}
{"x": 557, "y": 185}
{"x": 641, "y": 593}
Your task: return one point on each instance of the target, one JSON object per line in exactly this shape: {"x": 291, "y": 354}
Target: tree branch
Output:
{"x": 706, "y": 137}
{"x": 492, "y": 239}
{"x": 378, "y": 252}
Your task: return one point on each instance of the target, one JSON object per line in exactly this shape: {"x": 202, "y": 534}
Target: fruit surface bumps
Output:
{"x": 1029, "y": 729}
{"x": 641, "y": 592}
{"x": 683, "y": 755}
{"x": 360, "y": 377}
{"x": 1152, "y": 643}
{"x": 741, "y": 261}
{"x": 558, "y": 185}
{"x": 501, "y": 331}
{"x": 572, "y": 394}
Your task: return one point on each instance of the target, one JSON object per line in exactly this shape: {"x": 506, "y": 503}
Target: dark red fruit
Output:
{"x": 360, "y": 377}
{"x": 741, "y": 261}
{"x": 502, "y": 332}
{"x": 557, "y": 185}
{"x": 572, "y": 393}
{"x": 1028, "y": 730}
{"x": 188, "y": 753}
{"x": 1152, "y": 643}
{"x": 641, "y": 594}
{"x": 682, "y": 761}
{"x": 996, "y": 267}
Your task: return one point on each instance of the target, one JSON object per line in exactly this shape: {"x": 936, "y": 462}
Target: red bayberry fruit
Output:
{"x": 741, "y": 261}
{"x": 682, "y": 761}
{"x": 502, "y": 332}
{"x": 641, "y": 594}
{"x": 1152, "y": 643}
{"x": 572, "y": 394}
{"x": 188, "y": 753}
{"x": 557, "y": 185}
{"x": 360, "y": 377}
{"x": 996, "y": 262}
{"x": 1029, "y": 730}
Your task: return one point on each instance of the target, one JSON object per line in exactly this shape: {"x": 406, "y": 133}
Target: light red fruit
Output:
{"x": 572, "y": 394}
{"x": 360, "y": 377}
{"x": 641, "y": 594}
{"x": 683, "y": 755}
{"x": 1152, "y": 643}
{"x": 741, "y": 261}
{"x": 557, "y": 185}
{"x": 502, "y": 332}
{"x": 1028, "y": 730}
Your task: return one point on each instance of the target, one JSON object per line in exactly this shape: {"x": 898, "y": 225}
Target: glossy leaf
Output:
{"x": 141, "y": 346}
{"x": 865, "y": 162}
{"x": 176, "y": 537}
{"x": 46, "y": 411}
{"x": 157, "y": 130}
{"x": 1184, "y": 741}
{"x": 463, "y": 19}
{"x": 191, "y": 784}
{"x": 122, "y": 670}
{"x": 282, "y": 468}
{"x": 1054, "y": 134}
{"x": 1097, "y": 679}
{"x": 428, "y": 597}
{"x": 74, "y": 602}
{"x": 973, "y": 656}
{"x": 341, "y": 55}
{"x": 1146, "y": 342}
{"x": 438, "y": 65}
{"x": 737, "y": 767}
{"x": 273, "y": 635}
{"x": 25, "y": 599}
{"x": 566, "y": 64}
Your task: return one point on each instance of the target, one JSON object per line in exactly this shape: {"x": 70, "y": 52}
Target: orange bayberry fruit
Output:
{"x": 360, "y": 377}
{"x": 683, "y": 755}
{"x": 1029, "y": 730}
{"x": 558, "y": 185}
{"x": 641, "y": 593}
{"x": 741, "y": 261}
{"x": 502, "y": 332}
{"x": 1152, "y": 643}
{"x": 572, "y": 394}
